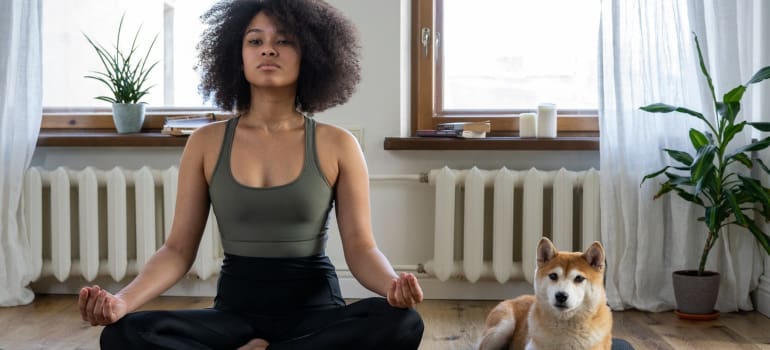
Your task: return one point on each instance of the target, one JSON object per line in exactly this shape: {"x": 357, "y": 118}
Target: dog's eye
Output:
{"x": 579, "y": 279}
{"x": 553, "y": 276}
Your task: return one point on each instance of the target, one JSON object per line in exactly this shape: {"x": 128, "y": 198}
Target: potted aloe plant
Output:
{"x": 710, "y": 176}
{"x": 125, "y": 74}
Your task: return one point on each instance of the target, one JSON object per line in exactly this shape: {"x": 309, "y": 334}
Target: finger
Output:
{"x": 93, "y": 294}
{"x": 414, "y": 288}
{"x": 107, "y": 299}
{"x": 392, "y": 292}
{"x": 103, "y": 314}
{"x": 408, "y": 290}
{"x": 99, "y": 307}
{"x": 404, "y": 289}
{"x": 398, "y": 299}
{"x": 107, "y": 313}
{"x": 82, "y": 300}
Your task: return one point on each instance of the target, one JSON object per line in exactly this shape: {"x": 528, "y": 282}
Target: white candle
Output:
{"x": 527, "y": 125}
{"x": 546, "y": 120}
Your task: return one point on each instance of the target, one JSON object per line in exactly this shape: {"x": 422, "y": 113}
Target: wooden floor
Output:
{"x": 53, "y": 322}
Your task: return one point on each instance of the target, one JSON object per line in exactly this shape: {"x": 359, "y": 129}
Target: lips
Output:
{"x": 269, "y": 66}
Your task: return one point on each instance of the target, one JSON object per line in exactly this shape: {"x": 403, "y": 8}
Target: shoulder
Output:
{"x": 207, "y": 136}
{"x": 211, "y": 129}
{"x": 332, "y": 135}
{"x": 338, "y": 146}
{"x": 205, "y": 142}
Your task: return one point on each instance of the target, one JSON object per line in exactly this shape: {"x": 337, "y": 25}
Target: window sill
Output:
{"x": 153, "y": 138}
{"x": 583, "y": 141}
{"x": 106, "y": 138}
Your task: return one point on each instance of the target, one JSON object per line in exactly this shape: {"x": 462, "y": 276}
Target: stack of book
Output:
{"x": 468, "y": 130}
{"x": 185, "y": 125}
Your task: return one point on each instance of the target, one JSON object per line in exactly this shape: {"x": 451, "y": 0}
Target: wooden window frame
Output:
{"x": 426, "y": 99}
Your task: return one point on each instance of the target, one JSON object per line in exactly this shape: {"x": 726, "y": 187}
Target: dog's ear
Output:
{"x": 545, "y": 251}
{"x": 594, "y": 255}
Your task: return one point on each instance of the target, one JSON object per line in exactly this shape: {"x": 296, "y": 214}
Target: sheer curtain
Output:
{"x": 648, "y": 55}
{"x": 733, "y": 46}
{"x": 20, "y": 116}
{"x": 761, "y": 103}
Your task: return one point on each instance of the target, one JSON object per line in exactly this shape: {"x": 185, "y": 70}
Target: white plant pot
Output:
{"x": 128, "y": 117}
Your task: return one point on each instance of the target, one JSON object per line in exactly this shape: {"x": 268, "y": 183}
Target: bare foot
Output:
{"x": 255, "y": 344}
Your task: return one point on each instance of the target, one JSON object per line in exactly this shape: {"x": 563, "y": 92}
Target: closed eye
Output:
{"x": 579, "y": 279}
{"x": 553, "y": 276}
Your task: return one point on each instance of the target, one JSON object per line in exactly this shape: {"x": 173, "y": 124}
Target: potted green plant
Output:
{"x": 125, "y": 74}
{"x": 710, "y": 176}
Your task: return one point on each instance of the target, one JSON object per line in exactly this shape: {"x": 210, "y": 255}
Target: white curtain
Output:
{"x": 20, "y": 116}
{"x": 648, "y": 55}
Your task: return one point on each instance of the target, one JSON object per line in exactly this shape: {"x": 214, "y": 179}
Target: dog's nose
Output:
{"x": 561, "y": 297}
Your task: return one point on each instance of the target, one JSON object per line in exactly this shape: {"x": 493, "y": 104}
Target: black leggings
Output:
{"x": 292, "y": 303}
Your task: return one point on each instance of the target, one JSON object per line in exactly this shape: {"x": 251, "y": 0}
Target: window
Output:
{"x": 67, "y": 56}
{"x": 494, "y": 59}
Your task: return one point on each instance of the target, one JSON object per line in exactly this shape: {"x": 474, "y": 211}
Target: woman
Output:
{"x": 272, "y": 176}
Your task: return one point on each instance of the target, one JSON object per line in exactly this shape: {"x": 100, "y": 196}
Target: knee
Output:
{"x": 408, "y": 330}
{"x": 405, "y": 320}
{"x": 411, "y": 321}
{"x": 392, "y": 327}
{"x": 124, "y": 333}
{"x": 115, "y": 336}
{"x": 111, "y": 335}
{"x": 407, "y": 325}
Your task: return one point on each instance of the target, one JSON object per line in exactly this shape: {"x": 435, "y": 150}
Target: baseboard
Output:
{"x": 432, "y": 287}
{"x": 763, "y": 295}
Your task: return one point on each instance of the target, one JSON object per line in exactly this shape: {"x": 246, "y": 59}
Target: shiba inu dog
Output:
{"x": 568, "y": 310}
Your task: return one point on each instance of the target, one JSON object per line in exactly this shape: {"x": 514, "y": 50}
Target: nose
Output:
{"x": 561, "y": 297}
{"x": 268, "y": 51}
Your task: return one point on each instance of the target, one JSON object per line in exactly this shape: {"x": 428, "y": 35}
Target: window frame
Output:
{"x": 425, "y": 78}
{"x": 60, "y": 119}
{"x": 92, "y": 125}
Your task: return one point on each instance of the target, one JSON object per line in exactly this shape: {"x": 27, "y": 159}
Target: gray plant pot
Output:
{"x": 696, "y": 294}
{"x": 128, "y": 117}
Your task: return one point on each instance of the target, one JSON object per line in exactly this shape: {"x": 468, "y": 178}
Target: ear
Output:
{"x": 545, "y": 251}
{"x": 594, "y": 255}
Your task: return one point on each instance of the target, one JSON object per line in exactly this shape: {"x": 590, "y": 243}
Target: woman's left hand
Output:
{"x": 405, "y": 291}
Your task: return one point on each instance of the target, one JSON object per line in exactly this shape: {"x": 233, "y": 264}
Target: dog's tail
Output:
{"x": 499, "y": 329}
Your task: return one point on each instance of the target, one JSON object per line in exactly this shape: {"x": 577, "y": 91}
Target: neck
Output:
{"x": 272, "y": 109}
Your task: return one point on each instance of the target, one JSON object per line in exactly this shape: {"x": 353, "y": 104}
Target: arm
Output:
{"x": 366, "y": 262}
{"x": 173, "y": 259}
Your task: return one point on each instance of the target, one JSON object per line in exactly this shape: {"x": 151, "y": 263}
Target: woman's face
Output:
{"x": 271, "y": 58}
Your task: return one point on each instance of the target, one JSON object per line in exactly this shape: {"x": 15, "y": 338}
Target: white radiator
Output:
{"x": 79, "y": 222}
{"x": 504, "y": 186}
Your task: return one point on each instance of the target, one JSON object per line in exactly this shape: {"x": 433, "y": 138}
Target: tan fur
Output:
{"x": 534, "y": 322}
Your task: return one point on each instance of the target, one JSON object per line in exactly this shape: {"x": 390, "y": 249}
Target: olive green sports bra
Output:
{"x": 290, "y": 220}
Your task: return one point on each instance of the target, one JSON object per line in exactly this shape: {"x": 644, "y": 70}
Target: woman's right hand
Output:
{"x": 100, "y": 307}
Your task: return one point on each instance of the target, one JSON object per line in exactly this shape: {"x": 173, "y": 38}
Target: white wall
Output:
{"x": 402, "y": 211}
